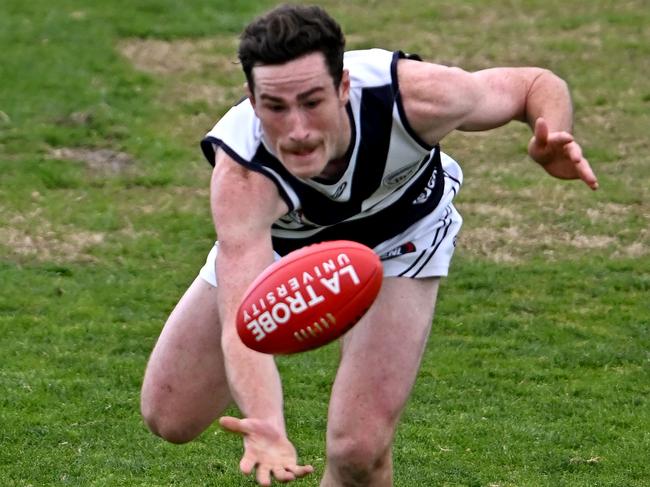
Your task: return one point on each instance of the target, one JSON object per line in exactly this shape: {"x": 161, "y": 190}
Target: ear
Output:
{"x": 344, "y": 87}
{"x": 250, "y": 94}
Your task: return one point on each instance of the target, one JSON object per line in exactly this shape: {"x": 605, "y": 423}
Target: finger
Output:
{"x": 234, "y": 425}
{"x": 282, "y": 474}
{"x": 300, "y": 470}
{"x": 246, "y": 465}
{"x": 263, "y": 475}
{"x": 559, "y": 138}
{"x": 541, "y": 131}
{"x": 574, "y": 152}
{"x": 583, "y": 168}
{"x": 587, "y": 174}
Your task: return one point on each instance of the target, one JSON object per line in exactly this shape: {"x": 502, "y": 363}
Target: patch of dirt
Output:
{"x": 179, "y": 56}
{"x": 639, "y": 248}
{"x": 607, "y": 211}
{"x": 515, "y": 243}
{"x": 490, "y": 211}
{"x": 499, "y": 233}
{"x": 195, "y": 70}
{"x": 103, "y": 160}
{"x": 4, "y": 118}
{"x": 76, "y": 119}
{"x": 214, "y": 95}
{"x": 37, "y": 239}
{"x": 32, "y": 237}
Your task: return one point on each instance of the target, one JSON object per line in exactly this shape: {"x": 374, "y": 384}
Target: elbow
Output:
{"x": 546, "y": 81}
{"x": 555, "y": 79}
{"x": 547, "y": 96}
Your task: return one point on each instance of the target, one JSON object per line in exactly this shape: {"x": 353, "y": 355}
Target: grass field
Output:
{"x": 538, "y": 367}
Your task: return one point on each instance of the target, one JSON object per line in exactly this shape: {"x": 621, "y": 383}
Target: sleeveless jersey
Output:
{"x": 392, "y": 180}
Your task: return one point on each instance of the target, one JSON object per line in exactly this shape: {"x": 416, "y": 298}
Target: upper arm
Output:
{"x": 439, "y": 99}
{"x": 244, "y": 205}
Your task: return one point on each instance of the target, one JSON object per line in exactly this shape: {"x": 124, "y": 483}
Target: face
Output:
{"x": 302, "y": 113}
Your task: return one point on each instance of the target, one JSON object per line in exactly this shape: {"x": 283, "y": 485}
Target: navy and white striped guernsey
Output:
{"x": 393, "y": 178}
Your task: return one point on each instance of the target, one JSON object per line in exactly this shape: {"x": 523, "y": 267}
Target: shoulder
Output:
{"x": 436, "y": 78}
{"x": 369, "y": 67}
{"x": 435, "y": 97}
{"x": 367, "y": 56}
{"x": 238, "y": 131}
{"x": 240, "y": 113}
{"x": 239, "y": 195}
{"x": 436, "y": 85}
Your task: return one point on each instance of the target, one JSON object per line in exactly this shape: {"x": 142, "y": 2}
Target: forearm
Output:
{"x": 254, "y": 381}
{"x": 252, "y": 376}
{"x": 548, "y": 97}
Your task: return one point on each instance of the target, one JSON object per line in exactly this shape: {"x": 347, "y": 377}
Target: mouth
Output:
{"x": 303, "y": 161}
{"x": 302, "y": 154}
{"x": 300, "y": 151}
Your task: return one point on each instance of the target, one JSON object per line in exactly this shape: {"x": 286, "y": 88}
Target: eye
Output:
{"x": 276, "y": 108}
{"x": 313, "y": 103}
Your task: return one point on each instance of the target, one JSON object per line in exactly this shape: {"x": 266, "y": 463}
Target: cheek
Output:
{"x": 325, "y": 123}
{"x": 332, "y": 128}
{"x": 272, "y": 129}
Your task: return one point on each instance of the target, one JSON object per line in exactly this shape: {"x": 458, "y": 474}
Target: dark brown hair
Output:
{"x": 289, "y": 32}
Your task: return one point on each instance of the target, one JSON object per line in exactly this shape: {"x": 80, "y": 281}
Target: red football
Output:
{"x": 309, "y": 297}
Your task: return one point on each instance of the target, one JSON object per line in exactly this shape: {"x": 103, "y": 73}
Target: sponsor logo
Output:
{"x": 407, "y": 248}
{"x": 401, "y": 175}
{"x": 295, "y": 216}
{"x": 428, "y": 190}
{"x": 339, "y": 190}
{"x": 298, "y": 294}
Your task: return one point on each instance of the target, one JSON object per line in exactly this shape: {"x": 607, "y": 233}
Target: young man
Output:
{"x": 325, "y": 149}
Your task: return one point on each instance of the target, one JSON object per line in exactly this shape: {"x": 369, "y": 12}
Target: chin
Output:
{"x": 305, "y": 173}
{"x": 304, "y": 169}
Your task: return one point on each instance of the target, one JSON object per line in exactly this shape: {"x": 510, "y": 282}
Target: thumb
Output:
{"x": 234, "y": 425}
{"x": 541, "y": 131}
{"x": 238, "y": 426}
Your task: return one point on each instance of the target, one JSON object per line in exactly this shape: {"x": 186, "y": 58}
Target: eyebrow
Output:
{"x": 301, "y": 96}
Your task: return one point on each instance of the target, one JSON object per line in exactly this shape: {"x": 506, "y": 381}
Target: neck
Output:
{"x": 334, "y": 169}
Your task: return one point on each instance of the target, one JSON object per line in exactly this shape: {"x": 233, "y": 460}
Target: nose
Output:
{"x": 298, "y": 126}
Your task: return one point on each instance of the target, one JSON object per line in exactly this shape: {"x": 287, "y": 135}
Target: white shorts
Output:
{"x": 423, "y": 250}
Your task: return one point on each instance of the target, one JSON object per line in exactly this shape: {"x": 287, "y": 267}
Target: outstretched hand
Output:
{"x": 560, "y": 155}
{"x": 266, "y": 450}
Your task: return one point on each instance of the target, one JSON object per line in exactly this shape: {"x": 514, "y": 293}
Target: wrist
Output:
{"x": 254, "y": 382}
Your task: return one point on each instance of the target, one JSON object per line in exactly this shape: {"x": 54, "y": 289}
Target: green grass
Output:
{"x": 537, "y": 371}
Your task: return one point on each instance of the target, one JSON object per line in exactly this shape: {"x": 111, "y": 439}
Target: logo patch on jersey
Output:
{"x": 407, "y": 248}
{"x": 339, "y": 190}
{"x": 401, "y": 175}
{"x": 295, "y": 216}
{"x": 428, "y": 190}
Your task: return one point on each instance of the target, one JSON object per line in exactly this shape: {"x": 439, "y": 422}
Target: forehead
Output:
{"x": 293, "y": 77}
